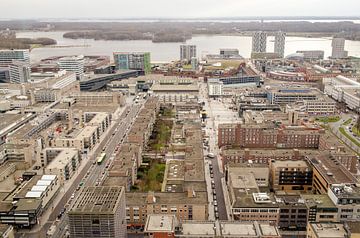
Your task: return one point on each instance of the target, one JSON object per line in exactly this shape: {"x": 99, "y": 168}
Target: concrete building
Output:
{"x": 259, "y": 42}
{"x": 19, "y": 72}
{"x": 73, "y": 64}
{"x": 4, "y": 75}
{"x": 320, "y": 208}
{"x": 327, "y": 230}
{"x": 291, "y": 176}
{"x": 327, "y": 170}
{"x": 187, "y": 52}
{"x": 346, "y": 197}
{"x": 338, "y": 46}
{"x": 293, "y": 213}
{"x": 158, "y": 226}
{"x": 279, "y": 45}
{"x": 215, "y": 87}
{"x": 98, "y": 212}
{"x": 7, "y": 57}
{"x": 133, "y": 61}
{"x": 62, "y": 162}
{"x": 310, "y": 55}
{"x": 228, "y": 53}
{"x": 343, "y": 90}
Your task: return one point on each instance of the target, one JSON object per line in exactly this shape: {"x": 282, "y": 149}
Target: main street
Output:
{"x": 211, "y": 131}
{"x": 87, "y": 172}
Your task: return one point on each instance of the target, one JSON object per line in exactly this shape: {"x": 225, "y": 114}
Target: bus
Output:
{"x": 101, "y": 158}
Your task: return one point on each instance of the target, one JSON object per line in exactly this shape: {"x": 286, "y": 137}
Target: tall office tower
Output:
{"x": 8, "y": 56}
{"x": 135, "y": 60}
{"x": 98, "y": 212}
{"x": 338, "y": 45}
{"x": 187, "y": 52}
{"x": 279, "y": 45}
{"x": 19, "y": 72}
{"x": 73, "y": 64}
{"x": 259, "y": 41}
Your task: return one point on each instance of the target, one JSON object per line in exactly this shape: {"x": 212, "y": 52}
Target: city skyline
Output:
{"x": 164, "y": 9}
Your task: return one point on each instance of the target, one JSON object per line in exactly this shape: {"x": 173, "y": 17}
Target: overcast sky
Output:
{"x": 175, "y": 8}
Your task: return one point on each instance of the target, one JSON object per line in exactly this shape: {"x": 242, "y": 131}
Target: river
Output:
{"x": 165, "y": 52}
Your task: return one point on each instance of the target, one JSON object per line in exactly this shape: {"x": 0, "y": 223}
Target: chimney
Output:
{"x": 150, "y": 199}
{"x": 191, "y": 193}
{"x": 247, "y": 154}
{"x": 296, "y": 153}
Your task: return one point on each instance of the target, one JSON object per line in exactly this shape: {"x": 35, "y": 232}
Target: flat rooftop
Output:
{"x": 98, "y": 200}
{"x": 198, "y": 228}
{"x": 328, "y": 230}
{"x": 319, "y": 200}
{"x": 160, "y": 223}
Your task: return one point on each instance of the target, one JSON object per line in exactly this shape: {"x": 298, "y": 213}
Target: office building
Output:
{"x": 338, "y": 45}
{"x": 279, "y": 46}
{"x": 259, "y": 42}
{"x": 309, "y": 55}
{"x": 4, "y": 75}
{"x": 98, "y": 212}
{"x": 8, "y": 56}
{"x": 293, "y": 212}
{"x": 227, "y": 53}
{"x": 19, "y": 72}
{"x": 291, "y": 175}
{"x": 215, "y": 87}
{"x": 187, "y": 52}
{"x": 135, "y": 60}
{"x": 320, "y": 208}
{"x": 73, "y": 64}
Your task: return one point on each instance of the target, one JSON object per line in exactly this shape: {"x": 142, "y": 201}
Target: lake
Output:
{"x": 165, "y": 52}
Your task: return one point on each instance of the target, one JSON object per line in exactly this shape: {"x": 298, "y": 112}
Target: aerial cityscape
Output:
{"x": 213, "y": 122}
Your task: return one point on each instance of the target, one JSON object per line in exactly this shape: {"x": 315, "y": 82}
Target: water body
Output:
{"x": 165, "y": 52}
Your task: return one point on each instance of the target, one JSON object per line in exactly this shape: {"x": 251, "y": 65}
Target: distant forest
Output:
{"x": 180, "y": 31}
{"x": 24, "y": 43}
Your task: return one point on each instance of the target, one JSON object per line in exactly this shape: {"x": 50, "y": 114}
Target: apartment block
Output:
{"x": 135, "y": 60}
{"x": 268, "y": 135}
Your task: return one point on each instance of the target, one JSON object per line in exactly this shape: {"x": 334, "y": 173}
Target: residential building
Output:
{"x": 327, "y": 230}
{"x": 7, "y": 57}
{"x": 187, "y": 52}
{"x": 279, "y": 45}
{"x": 98, "y": 212}
{"x": 19, "y": 72}
{"x": 73, "y": 64}
{"x": 135, "y": 61}
{"x": 268, "y": 135}
{"x": 259, "y": 42}
{"x": 338, "y": 46}
{"x": 291, "y": 176}
{"x": 4, "y": 75}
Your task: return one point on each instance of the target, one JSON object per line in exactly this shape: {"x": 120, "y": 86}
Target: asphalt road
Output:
{"x": 213, "y": 148}
{"x": 123, "y": 122}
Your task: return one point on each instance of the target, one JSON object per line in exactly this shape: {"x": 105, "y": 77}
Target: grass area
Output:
{"x": 356, "y": 131}
{"x": 161, "y": 134}
{"x": 342, "y": 130}
{"x": 347, "y": 122}
{"x": 328, "y": 119}
{"x": 150, "y": 177}
{"x": 187, "y": 66}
